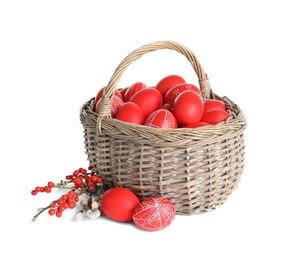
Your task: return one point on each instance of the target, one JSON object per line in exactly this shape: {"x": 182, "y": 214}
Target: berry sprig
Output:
{"x": 46, "y": 189}
{"x": 80, "y": 182}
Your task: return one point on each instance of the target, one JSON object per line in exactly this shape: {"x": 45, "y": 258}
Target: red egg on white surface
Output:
{"x": 119, "y": 204}
{"x": 161, "y": 118}
{"x": 175, "y": 91}
{"x": 117, "y": 102}
{"x": 154, "y": 214}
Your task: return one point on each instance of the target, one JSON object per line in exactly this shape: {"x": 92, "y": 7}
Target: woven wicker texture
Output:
{"x": 197, "y": 169}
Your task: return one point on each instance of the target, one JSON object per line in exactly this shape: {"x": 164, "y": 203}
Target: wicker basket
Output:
{"x": 197, "y": 169}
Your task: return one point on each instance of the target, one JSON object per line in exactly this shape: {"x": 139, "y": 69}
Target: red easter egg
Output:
{"x": 134, "y": 88}
{"x": 131, "y": 113}
{"x": 148, "y": 99}
{"x": 119, "y": 204}
{"x": 101, "y": 91}
{"x": 154, "y": 214}
{"x": 168, "y": 82}
{"x": 214, "y": 116}
{"x": 117, "y": 102}
{"x": 161, "y": 118}
{"x": 167, "y": 106}
{"x": 188, "y": 107}
{"x": 173, "y": 92}
{"x": 195, "y": 125}
{"x": 122, "y": 92}
{"x": 210, "y": 104}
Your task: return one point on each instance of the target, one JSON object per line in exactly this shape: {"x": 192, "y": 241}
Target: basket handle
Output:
{"x": 106, "y": 100}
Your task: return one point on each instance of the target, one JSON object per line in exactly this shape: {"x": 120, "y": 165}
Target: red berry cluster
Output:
{"x": 80, "y": 175}
{"x": 46, "y": 189}
{"x": 67, "y": 201}
{"x": 81, "y": 181}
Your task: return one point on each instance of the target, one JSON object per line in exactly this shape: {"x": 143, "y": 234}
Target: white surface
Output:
{"x": 55, "y": 55}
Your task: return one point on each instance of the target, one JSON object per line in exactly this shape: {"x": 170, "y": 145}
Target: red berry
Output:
{"x": 34, "y": 192}
{"x": 47, "y": 189}
{"x": 58, "y": 213}
{"x": 54, "y": 205}
{"x": 81, "y": 185}
{"x": 72, "y": 205}
{"x": 50, "y": 184}
{"x": 70, "y": 194}
{"x": 51, "y": 212}
{"x": 91, "y": 188}
{"x": 61, "y": 208}
{"x": 83, "y": 171}
{"x": 64, "y": 197}
{"x": 90, "y": 183}
{"x": 77, "y": 181}
{"x": 37, "y": 189}
{"x": 94, "y": 178}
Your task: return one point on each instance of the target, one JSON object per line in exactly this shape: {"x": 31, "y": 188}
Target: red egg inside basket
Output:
{"x": 161, "y": 118}
{"x": 154, "y": 214}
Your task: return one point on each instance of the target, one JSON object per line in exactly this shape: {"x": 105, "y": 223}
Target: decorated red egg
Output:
{"x": 148, "y": 99}
{"x": 117, "y": 102}
{"x": 119, "y": 204}
{"x": 134, "y": 88}
{"x": 161, "y": 118}
{"x": 154, "y": 214}
{"x": 172, "y": 93}
{"x": 168, "y": 82}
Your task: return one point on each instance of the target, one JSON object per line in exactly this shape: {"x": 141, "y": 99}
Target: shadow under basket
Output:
{"x": 197, "y": 169}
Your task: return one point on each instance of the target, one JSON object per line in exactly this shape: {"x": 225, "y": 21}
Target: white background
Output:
{"x": 56, "y": 55}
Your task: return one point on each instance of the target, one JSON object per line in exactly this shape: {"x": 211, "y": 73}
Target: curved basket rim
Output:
{"x": 233, "y": 126}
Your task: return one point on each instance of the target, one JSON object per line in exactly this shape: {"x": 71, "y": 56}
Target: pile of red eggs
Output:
{"x": 171, "y": 103}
